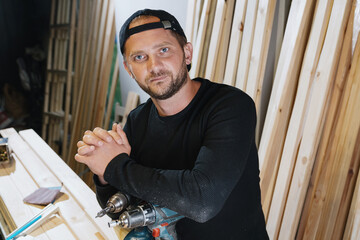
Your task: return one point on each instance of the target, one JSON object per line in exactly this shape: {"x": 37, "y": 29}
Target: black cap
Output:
{"x": 167, "y": 21}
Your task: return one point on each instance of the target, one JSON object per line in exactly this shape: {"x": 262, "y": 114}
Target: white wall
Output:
{"x": 123, "y": 10}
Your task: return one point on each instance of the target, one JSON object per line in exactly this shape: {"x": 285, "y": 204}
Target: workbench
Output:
{"x": 33, "y": 164}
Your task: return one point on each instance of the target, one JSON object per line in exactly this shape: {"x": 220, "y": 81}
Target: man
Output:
{"x": 189, "y": 148}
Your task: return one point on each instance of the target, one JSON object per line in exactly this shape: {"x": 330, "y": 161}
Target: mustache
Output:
{"x": 158, "y": 74}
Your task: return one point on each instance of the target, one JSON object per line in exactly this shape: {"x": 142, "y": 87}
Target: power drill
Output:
{"x": 115, "y": 204}
{"x": 147, "y": 220}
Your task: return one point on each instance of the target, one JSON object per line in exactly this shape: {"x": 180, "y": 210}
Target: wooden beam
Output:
{"x": 259, "y": 51}
{"x": 70, "y": 60}
{"x": 34, "y": 168}
{"x": 216, "y": 34}
{"x": 235, "y": 42}
{"x": 325, "y": 74}
{"x": 316, "y": 193}
{"x": 282, "y": 95}
{"x": 132, "y": 102}
{"x": 48, "y": 73}
{"x": 206, "y": 43}
{"x": 190, "y": 19}
{"x": 106, "y": 63}
{"x": 72, "y": 183}
{"x": 352, "y": 230}
{"x": 200, "y": 38}
{"x": 224, "y": 42}
{"x": 246, "y": 44}
{"x": 277, "y": 193}
{"x": 77, "y": 127}
{"x": 114, "y": 81}
{"x": 344, "y": 167}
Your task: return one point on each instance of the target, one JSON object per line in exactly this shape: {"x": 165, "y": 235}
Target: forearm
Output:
{"x": 198, "y": 193}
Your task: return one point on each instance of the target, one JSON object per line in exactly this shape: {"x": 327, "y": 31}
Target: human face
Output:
{"x": 155, "y": 59}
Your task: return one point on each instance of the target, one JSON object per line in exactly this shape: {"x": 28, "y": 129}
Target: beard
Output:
{"x": 171, "y": 88}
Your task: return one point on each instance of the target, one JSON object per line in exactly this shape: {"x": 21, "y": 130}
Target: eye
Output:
{"x": 164, "y": 50}
{"x": 139, "y": 58}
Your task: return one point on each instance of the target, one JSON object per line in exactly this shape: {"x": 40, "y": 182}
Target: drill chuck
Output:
{"x": 115, "y": 204}
{"x": 142, "y": 215}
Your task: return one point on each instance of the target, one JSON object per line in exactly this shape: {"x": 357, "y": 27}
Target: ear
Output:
{"x": 188, "y": 51}
{"x": 128, "y": 70}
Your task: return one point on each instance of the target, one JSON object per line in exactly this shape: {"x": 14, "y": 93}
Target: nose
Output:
{"x": 154, "y": 64}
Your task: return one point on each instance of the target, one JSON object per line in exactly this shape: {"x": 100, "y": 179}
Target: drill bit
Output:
{"x": 103, "y": 212}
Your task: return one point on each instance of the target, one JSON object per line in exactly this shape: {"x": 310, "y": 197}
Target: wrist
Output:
{"x": 99, "y": 180}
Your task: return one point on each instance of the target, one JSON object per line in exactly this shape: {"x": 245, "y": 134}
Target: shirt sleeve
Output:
{"x": 201, "y": 192}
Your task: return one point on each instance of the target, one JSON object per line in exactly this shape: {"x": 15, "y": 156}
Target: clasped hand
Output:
{"x": 99, "y": 147}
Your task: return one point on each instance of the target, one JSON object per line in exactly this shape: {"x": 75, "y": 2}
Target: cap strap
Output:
{"x": 163, "y": 24}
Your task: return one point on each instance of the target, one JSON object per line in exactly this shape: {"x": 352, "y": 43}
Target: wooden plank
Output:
{"x": 198, "y": 46}
{"x": 74, "y": 185}
{"x": 132, "y": 102}
{"x": 77, "y": 127}
{"x": 12, "y": 196}
{"x": 190, "y": 19}
{"x": 284, "y": 86}
{"x": 280, "y": 28}
{"x": 344, "y": 167}
{"x": 197, "y": 17}
{"x": 48, "y": 169}
{"x": 106, "y": 62}
{"x": 325, "y": 74}
{"x": 7, "y": 224}
{"x": 206, "y": 43}
{"x": 224, "y": 42}
{"x": 70, "y": 59}
{"x": 215, "y": 39}
{"x": 79, "y": 39}
{"x": 48, "y": 73}
{"x": 114, "y": 81}
{"x": 91, "y": 73}
{"x": 311, "y": 213}
{"x": 277, "y": 193}
{"x": 259, "y": 51}
{"x": 25, "y": 185}
{"x": 282, "y": 94}
{"x": 246, "y": 44}
{"x": 352, "y": 230}
{"x": 98, "y": 61}
{"x": 235, "y": 42}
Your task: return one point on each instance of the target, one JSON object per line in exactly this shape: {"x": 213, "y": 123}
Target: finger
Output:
{"x": 122, "y": 135}
{"x": 91, "y": 139}
{"x": 86, "y": 149}
{"x": 102, "y": 134}
{"x": 114, "y": 126}
{"x": 80, "y": 144}
{"x": 116, "y": 136}
{"x": 79, "y": 158}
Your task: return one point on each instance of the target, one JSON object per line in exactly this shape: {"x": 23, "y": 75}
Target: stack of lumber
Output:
{"x": 59, "y": 71}
{"x": 80, "y": 59}
{"x": 94, "y": 57}
{"x": 308, "y": 148}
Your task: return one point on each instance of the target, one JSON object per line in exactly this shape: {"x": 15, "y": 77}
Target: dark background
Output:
{"x": 24, "y": 24}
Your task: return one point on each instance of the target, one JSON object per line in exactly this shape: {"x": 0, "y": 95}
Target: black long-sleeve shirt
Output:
{"x": 201, "y": 162}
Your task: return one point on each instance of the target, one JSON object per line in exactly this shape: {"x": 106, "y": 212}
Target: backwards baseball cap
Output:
{"x": 167, "y": 21}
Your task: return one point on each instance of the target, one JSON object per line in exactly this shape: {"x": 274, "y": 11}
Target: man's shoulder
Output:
{"x": 141, "y": 110}
{"x": 220, "y": 92}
